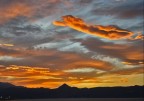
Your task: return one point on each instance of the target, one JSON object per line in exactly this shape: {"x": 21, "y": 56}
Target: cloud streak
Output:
{"x": 111, "y": 32}
{"x": 7, "y": 45}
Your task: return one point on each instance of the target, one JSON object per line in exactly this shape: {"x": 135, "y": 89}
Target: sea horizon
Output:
{"x": 83, "y": 99}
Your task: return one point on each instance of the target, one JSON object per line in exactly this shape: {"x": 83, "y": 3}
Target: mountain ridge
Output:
{"x": 64, "y": 85}
{"x": 8, "y": 85}
{"x": 66, "y": 91}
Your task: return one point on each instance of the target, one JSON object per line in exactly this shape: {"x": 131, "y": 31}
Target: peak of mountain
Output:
{"x": 64, "y": 86}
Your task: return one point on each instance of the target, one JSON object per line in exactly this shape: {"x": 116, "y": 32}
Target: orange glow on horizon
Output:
{"x": 34, "y": 77}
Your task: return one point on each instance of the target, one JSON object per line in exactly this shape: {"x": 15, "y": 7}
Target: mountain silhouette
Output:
{"x": 66, "y": 87}
{"x": 6, "y": 85}
{"x": 66, "y": 91}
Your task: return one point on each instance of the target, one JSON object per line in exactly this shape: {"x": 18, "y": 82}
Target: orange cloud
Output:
{"x": 140, "y": 36}
{"x": 91, "y": 64}
{"x": 29, "y": 76}
{"x": 115, "y": 47}
{"x": 15, "y": 10}
{"x": 110, "y": 32}
{"x": 7, "y": 45}
{"x": 134, "y": 55}
{"x": 59, "y": 23}
{"x": 43, "y": 77}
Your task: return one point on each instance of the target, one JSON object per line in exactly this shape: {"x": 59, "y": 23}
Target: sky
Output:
{"x": 84, "y": 43}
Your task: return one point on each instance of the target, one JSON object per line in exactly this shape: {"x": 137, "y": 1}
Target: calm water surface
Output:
{"x": 87, "y": 99}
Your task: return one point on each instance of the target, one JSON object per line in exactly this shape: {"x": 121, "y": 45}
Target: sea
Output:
{"x": 85, "y": 99}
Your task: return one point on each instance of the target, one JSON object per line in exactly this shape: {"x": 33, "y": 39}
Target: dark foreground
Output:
{"x": 87, "y": 99}
{"x": 72, "y": 93}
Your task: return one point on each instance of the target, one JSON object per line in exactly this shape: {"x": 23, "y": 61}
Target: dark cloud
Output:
{"x": 85, "y": 1}
{"x": 127, "y": 9}
{"x": 7, "y": 51}
{"x": 21, "y": 33}
{"x": 32, "y": 9}
{"x": 18, "y": 31}
{"x": 122, "y": 51}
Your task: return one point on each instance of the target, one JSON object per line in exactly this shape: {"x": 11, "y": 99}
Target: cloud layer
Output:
{"x": 35, "y": 53}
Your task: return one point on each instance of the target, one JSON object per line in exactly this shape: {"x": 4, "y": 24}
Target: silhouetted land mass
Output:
{"x": 65, "y": 91}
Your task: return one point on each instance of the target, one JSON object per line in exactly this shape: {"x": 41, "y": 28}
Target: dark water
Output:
{"x": 87, "y": 99}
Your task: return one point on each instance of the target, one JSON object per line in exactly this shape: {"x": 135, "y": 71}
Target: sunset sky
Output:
{"x": 84, "y": 43}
